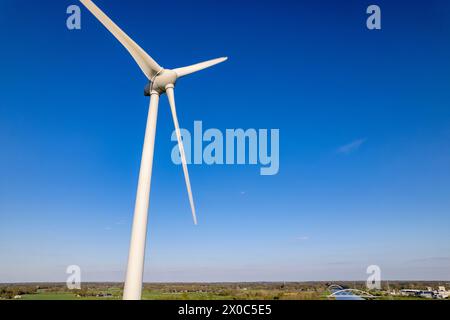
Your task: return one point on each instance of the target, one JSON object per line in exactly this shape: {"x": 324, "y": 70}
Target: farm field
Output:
{"x": 201, "y": 291}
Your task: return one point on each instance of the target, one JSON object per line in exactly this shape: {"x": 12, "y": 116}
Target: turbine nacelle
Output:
{"x": 160, "y": 82}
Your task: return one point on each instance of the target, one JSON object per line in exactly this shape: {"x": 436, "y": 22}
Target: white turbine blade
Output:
{"x": 170, "y": 95}
{"x": 145, "y": 62}
{"x": 181, "y": 72}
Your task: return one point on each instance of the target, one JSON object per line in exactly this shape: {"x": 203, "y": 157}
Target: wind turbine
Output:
{"x": 160, "y": 81}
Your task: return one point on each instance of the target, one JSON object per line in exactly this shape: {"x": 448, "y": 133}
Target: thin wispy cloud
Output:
{"x": 351, "y": 147}
{"x": 302, "y": 238}
{"x": 431, "y": 259}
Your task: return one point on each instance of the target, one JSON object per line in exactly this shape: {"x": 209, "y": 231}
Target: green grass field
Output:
{"x": 194, "y": 291}
{"x": 50, "y": 296}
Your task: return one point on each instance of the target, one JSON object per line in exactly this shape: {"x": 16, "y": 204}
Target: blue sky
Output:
{"x": 364, "y": 123}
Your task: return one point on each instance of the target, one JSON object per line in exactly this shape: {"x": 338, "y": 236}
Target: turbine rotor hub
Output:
{"x": 160, "y": 82}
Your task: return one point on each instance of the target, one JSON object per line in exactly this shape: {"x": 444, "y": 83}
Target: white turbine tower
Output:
{"x": 160, "y": 81}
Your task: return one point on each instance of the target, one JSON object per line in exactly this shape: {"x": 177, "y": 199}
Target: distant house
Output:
{"x": 18, "y": 297}
{"x": 441, "y": 293}
{"x": 410, "y": 292}
{"x": 103, "y": 295}
{"x": 427, "y": 294}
